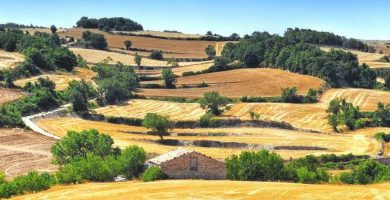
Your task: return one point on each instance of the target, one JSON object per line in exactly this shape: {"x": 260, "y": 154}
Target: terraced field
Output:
{"x": 238, "y": 83}
{"x": 162, "y": 34}
{"x": 302, "y": 116}
{"x": 367, "y": 100}
{"x": 22, "y": 151}
{"x": 138, "y": 108}
{"x": 172, "y": 48}
{"x": 10, "y": 59}
{"x": 371, "y": 59}
{"x": 217, "y": 190}
{"x": 269, "y": 138}
{"x": 7, "y": 95}
{"x": 61, "y": 79}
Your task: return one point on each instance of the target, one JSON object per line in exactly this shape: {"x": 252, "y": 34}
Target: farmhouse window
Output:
{"x": 194, "y": 164}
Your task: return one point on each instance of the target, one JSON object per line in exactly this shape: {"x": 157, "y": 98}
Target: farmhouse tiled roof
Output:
{"x": 169, "y": 156}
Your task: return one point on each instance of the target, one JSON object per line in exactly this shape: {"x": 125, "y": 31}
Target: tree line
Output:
{"x": 338, "y": 68}
{"x": 108, "y": 24}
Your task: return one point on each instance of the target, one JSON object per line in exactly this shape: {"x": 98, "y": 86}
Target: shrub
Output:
{"x": 190, "y": 73}
{"x": 205, "y": 120}
{"x": 202, "y": 85}
{"x": 153, "y": 173}
{"x": 152, "y": 85}
{"x": 157, "y": 55}
{"x": 34, "y": 182}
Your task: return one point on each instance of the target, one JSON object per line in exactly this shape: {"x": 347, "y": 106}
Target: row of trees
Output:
{"x": 108, "y": 24}
{"x": 337, "y": 67}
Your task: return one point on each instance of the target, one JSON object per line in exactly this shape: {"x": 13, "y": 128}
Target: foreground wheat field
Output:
{"x": 238, "y": 83}
{"x": 138, "y": 108}
{"x": 268, "y": 138}
{"x": 22, "y": 151}
{"x": 61, "y": 79}
{"x": 10, "y": 59}
{"x": 202, "y": 189}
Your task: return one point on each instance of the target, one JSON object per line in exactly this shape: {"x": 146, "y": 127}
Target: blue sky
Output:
{"x": 362, "y": 19}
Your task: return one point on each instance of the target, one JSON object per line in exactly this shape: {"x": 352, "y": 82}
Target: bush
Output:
{"x": 205, "y": 120}
{"x": 152, "y": 85}
{"x": 132, "y": 159}
{"x": 94, "y": 40}
{"x": 190, "y": 73}
{"x": 153, "y": 173}
{"x": 156, "y": 55}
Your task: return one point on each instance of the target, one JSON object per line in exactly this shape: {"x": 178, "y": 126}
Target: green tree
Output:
{"x": 156, "y": 55}
{"x": 76, "y": 145}
{"x": 137, "y": 59}
{"x": 132, "y": 160}
{"x": 79, "y": 93}
{"x": 53, "y": 29}
{"x": 290, "y": 95}
{"x": 153, "y": 173}
{"x": 128, "y": 44}
{"x": 210, "y": 51}
{"x": 94, "y": 40}
{"x": 160, "y": 125}
{"x": 213, "y": 101}
{"x": 169, "y": 78}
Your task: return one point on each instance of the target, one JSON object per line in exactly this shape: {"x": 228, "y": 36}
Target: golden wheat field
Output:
{"x": 371, "y": 59}
{"x": 367, "y": 100}
{"x": 22, "y": 151}
{"x": 162, "y": 34}
{"x": 7, "y": 95}
{"x": 237, "y": 83}
{"x": 61, "y": 79}
{"x": 10, "y": 59}
{"x": 217, "y": 190}
{"x": 125, "y": 135}
{"x": 172, "y": 48}
{"x": 138, "y": 108}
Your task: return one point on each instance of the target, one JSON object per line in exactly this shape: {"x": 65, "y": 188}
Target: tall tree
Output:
{"x": 168, "y": 77}
{"x": 160, "y": 125}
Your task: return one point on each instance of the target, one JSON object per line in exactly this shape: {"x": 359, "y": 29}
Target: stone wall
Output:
{"x": 208, "y": 168}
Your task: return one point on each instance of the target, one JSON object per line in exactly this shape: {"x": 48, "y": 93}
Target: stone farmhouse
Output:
{"x": 189, "y": 164}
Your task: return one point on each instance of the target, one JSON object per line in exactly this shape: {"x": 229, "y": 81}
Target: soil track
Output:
{"x": 22, "y": 151}
{"x": 217, "y": 190}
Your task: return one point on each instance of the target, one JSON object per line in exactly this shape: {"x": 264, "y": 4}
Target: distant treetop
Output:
{"x": 107, "y": 24}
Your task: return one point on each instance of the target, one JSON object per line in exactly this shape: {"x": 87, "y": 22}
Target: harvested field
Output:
{"x": 367, "y": 100}
{"x": 371, "y": 59}
{"x": 10, "y": 59}
{"x": 172, "y": 48}
{"x": 93, "y": 56}
{"x": 162, "y": 34}
{"x": 138, "y": 108}
{"x": 7, "y": 95}
{"x": 237, "y": 83}
{"x": 61, "y": 79}
{"x": 124, "y": 135}
{"x": 22, "y": 151}
{"x": 186, "y": 67}
{"x": 203, "y": 189}
{"x": 302, "y": 116}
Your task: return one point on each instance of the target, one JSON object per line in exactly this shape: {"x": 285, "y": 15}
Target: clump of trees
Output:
{"x": 42, "y": 52}
{"x": 290, "y": 95}
{"x": 325, "y": 38}
{"x": 338, "y": 68}
{"x": 116, "y": 83}
{"x": 90, "y": 156}
{"x": 213, "y": 102}
{"x": 266, "y": 166}
{"x": 342, "y": 112}
{"x": 159, "y": 125}
{"x": 366, "y": 172}
{"x": 108, "y": 24}
{"x": 79, "y": 94}
{"x": 169, "y": 78}
{"x": 93, "y": 40}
